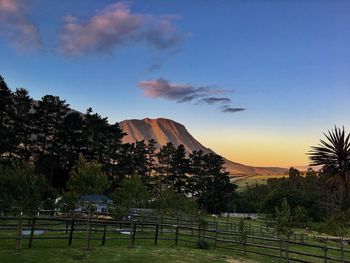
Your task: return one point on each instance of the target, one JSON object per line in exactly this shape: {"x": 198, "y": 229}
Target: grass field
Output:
{"x": 243, "y": 182}
{"x": 116, "y": 249}
{"x": 140, "y": 253}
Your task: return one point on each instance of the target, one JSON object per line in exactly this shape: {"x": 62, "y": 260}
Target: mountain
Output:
{"x": 165, "y": 130}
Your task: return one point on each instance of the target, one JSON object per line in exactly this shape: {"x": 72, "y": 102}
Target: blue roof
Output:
{"x": 95, "y": 198}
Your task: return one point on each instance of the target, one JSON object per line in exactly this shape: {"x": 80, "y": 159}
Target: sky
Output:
{"x": 256, "y": 81}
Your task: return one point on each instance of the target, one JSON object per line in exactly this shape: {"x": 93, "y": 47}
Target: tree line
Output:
{"x": 43, "y": 141}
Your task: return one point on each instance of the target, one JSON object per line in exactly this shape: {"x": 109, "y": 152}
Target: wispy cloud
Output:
{"x": 213, "y": 100}
{"x": 229, "y": 109}
{"x": 115, "y": 26}
{"x": 16, "y": 26}
{"x": 161, "y": 88}
{"x": 155, "y": 67}
{"x": 180, "y": 93}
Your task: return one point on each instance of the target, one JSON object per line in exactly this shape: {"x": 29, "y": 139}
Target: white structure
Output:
{"x": 240, "y": 215}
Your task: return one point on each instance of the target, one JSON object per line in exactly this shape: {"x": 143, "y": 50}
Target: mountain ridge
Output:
{"x": 165, "y": 130}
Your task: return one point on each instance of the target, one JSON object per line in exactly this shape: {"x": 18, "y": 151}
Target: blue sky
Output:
{"x": 286, "y": 63}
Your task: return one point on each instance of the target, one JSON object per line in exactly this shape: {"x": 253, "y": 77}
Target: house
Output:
{"x": 100, "y": 203}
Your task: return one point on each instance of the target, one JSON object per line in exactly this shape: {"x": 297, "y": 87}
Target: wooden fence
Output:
{"x": 219, "y": 235}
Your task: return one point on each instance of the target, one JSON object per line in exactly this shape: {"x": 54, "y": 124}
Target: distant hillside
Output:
{"x": 165, "y": 130}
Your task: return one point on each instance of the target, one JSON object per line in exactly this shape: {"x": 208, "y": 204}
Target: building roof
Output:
{"x": 95, "y": 198}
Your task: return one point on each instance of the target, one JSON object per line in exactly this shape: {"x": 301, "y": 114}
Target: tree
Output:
{"x": 284, "y": 219}
{"x": 339, "y": 223}
{"x": 151, "y": 157}
{"x": 140, "y": 161}
{"x": 174, "y": 203}
{"x": 87, "y": 178}
{"x": 23, "y": 124}
{"x": 49, "y": 114}
{"x": 284, "y": 223}
{"x": 294, "y": 173}
{"x": 133, "y": 194}
{"x": 217, "y": 191}
{"x": 179, "y": 166}
{"x": 333, "y": 155}
{"x": 7, "y": 136}
{"x": 20, "y": 187}
{"x": 164, "y": 157}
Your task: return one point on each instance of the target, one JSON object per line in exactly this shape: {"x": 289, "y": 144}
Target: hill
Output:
{"x": 165, "y": 130}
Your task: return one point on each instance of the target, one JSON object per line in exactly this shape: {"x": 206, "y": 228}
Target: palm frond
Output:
{"x": 333, "y": 154}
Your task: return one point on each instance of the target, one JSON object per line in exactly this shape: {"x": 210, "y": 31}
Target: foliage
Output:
{"x": 133, "y": 194}
{"x": 87, "y": 178}
{"x": 333, "y": 155}
{"x": 173, "y": 203}
{"x": 202, "y": 244}
{"x": 284, "y": 220}
{"x": 243, "y": 231}
{"x": 20, "y": 187}
{"x": 339, "y": 223}
{"x": 210, "y": 183}
{"x": 300, "y": 217}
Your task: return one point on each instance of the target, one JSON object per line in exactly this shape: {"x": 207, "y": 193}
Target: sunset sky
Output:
{"x": 256, "y": 81}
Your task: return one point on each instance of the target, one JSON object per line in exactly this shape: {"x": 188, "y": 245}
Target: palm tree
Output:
{"x": 333, "y": 155}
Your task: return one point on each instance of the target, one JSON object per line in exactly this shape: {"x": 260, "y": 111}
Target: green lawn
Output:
{"x": 117, "y": 245}
{"x": 115, "y": 251}
{"x": 243, "y": 182}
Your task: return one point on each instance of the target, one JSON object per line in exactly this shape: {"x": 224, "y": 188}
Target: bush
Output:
{"x": 202, "y": 244}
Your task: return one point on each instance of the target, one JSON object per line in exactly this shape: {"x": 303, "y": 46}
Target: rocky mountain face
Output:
{"x": 165, "y": 130}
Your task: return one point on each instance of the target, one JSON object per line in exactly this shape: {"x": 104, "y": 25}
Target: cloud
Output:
{"x": 154, "y": 67}
{"x": 162, "y": 34}
{"x": 116, "y": 26}
{"x": 229, "y": 109}
{"x": 161, "y": 88}
{"x": 180, "y": 93}
{"x": 17, "y": 28}
{"x": 213, "y": 100}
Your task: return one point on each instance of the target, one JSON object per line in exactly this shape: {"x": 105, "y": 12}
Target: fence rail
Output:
{"x": 133, "y": 229}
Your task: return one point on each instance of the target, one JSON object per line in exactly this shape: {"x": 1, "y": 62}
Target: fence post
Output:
{"x": 19, "y": 232}
{"x": 156, "y": 235}
{"x": 325, "y": 249}
{"x": 32, "y": 232}
{"x": 216, "y": 238}
{"x": 142, "y": 216}
{"x": 66, "y": 227}
{"x": 192, "y": 225}
{"x": 176, "y": 234}
{"x": 342, "y": 251}
{"x": 71, "y": 232}
{"x": 280, "y": 258}
{"x": 287, "y": 249}
{"x": 132, "y": 233}
{"x": 199, "y": 231}
{"x": 104, "y": 234}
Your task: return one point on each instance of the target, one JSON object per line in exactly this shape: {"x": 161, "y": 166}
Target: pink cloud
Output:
{"x": 17, "y": 28}
{"x": 161, "y": 88}
{"x": 115, "y": 26}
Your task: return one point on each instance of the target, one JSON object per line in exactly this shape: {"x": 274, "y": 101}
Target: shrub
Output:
{"x": 202, "y": 244}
